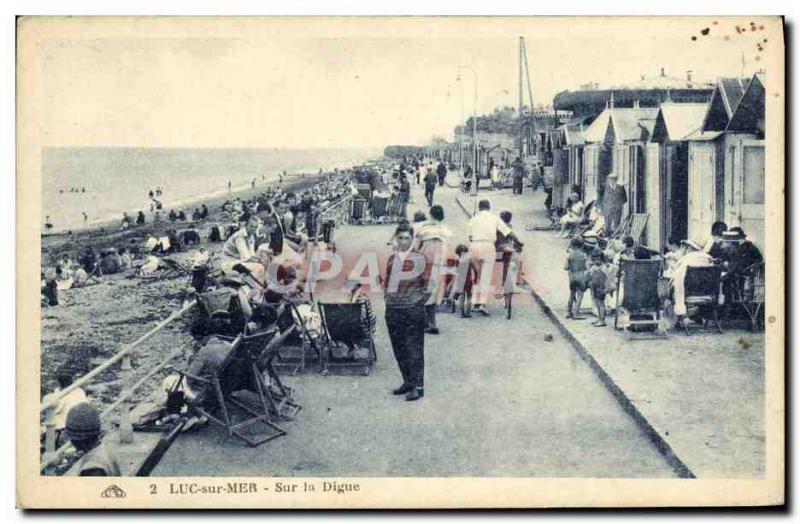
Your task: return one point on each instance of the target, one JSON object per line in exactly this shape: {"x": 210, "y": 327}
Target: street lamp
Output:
{"x": 474, "y": 188}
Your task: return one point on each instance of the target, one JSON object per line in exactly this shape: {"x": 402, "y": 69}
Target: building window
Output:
{"x": 753, "y": 178}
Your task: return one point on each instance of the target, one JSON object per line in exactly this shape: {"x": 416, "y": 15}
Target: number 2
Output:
{"x": 153, "y": 489}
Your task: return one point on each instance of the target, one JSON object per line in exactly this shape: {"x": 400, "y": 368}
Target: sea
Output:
{"x": 104, "y": 182}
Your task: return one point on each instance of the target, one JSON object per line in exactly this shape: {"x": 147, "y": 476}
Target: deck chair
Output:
{"x": 701, "y": 290}
{"x": 264, "y": 348}
{"x": 638, "y": 223}
{"x": 301, "y": 349}
{"x": 641, "y": 302}
{"x": 216, "y": 400}
{"x": 346, "y": 325}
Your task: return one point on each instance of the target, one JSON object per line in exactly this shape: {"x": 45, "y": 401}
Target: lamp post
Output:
{"x": 474, "y": 188}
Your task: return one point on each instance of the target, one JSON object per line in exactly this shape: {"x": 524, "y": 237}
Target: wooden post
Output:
{"x": 50, "y": 434}
{"x": 125, "y": 426}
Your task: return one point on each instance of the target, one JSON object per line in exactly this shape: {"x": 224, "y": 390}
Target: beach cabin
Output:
{"x": 707, "y": 158}
{"x": 744, "y": 175}
{"x": 562, "y": 183}
{"x": 615, "y": 142}
{"x": 573, "y": 142}
{"x": 667, "y": 172}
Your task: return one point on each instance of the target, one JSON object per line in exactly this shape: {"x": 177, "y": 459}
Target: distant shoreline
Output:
{"x": 108, "y": 233}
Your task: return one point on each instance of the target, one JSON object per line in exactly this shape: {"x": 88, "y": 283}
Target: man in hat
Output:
{"x": 739, "y": 253}
{"x": 84, "y": 430}
{"x": 693, "y": 256}
{"x": 614, "y": 201}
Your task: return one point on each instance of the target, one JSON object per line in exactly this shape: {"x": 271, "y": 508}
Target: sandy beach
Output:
{"x": 91, "y": 323}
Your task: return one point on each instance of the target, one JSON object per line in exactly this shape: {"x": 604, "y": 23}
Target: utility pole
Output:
{"x": 519, "y": 90}
{"x": 474, "y": 189}
{"x": 523, "y": 65}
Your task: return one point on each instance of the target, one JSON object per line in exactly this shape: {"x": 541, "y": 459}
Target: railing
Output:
{"x": 337, "y": 212}
{"x": 52, "y": 455}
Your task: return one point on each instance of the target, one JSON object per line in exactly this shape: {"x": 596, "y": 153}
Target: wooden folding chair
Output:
{"x": 250, "y": 422}
{"x": 638, "y": 223}
{"x": 293, "y": 359}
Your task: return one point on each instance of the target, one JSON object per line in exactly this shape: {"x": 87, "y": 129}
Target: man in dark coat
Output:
{"x": 441, "y": 173}
{"x": 405, "y": 293}
{"x": 430, "y": 186}
{"x": 614, "y": 201}
{"x": 517, "y": 175}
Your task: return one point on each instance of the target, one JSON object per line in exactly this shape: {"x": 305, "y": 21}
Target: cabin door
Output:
{"x": 752, "y": 208}
{"x": 654, "y": 196}
{"x": 561, "y": 179}
{"x": 702, "y": 211}
{"x": 590, "y": 159}
{"x": 676, "y": 189}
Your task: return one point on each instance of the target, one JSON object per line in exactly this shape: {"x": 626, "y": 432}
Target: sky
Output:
{"x": 391, "y": 83}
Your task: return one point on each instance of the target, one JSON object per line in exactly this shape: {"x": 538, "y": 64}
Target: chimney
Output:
{"x": 662, "y": 72}
{"x": 689, "y": 75}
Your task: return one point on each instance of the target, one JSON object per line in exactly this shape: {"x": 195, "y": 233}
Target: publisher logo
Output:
{"x": 113, "y": 492}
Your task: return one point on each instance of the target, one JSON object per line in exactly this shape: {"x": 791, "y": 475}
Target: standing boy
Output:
{"x": 576, "y": 265}
{"x": 598, "y": 281}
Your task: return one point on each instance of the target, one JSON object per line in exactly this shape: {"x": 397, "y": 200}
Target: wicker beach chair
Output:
{"x": 641, "y": 303}
{"x": 748, "y": 291}
{"x": 701, "y": 290}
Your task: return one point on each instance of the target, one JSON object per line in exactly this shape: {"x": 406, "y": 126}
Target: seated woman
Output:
{"x": 572, "y": 217}
{"x": 597, "y": 226}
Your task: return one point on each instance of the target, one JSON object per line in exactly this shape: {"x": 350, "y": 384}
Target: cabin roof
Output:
{"x": 724, "y": 100}
{"x": 704, "y": 136}
{"x": 573, "y": 135}
{"x": 748, "y": 116}
{"x": 675, "y": 122}
{"x": 629, "y": 123}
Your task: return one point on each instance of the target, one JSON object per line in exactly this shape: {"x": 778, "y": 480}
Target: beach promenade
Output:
{"x": 500, "y": 400}
{"x": 700, "y": 398}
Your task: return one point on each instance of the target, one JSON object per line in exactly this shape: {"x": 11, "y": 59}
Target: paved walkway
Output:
{"x": 499, "y": 401}
{"x": 700, "y": 397}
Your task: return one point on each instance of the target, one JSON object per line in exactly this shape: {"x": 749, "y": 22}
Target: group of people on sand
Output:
{"x": 265, "y": 229}
{"x": 597, "y": 244}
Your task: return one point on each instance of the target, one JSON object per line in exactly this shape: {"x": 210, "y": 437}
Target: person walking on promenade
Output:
{"x": 430, "y": 186}
{"x": 494, "y": 175}
{"x": 482, "y": 231}
{"x": 404, "y": 195}
{"x": 517, "y": 175}
{"x": 441, "y": 173}
{"x": 405, "y": 294}
{"x": 614, "y": 201}
{"x": 421, "y": 172}
{"x": 431, "y": 238}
